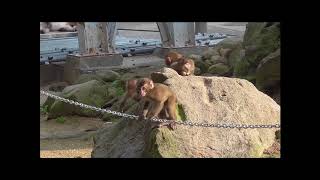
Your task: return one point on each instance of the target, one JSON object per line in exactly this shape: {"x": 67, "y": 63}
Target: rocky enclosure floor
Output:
{"x": 73, "y": 138}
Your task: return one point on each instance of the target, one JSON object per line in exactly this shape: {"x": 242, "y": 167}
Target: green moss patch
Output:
{"x": 180, "y": 113}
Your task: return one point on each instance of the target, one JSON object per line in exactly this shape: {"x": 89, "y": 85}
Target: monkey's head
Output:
{"x": 186, "y": 67}
{"x": 144, "y": 86}
{"x": 171, "y": 57}
{"x": 168, "y": 60}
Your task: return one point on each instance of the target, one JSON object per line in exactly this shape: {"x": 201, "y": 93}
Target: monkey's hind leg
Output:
{"x": 172, "y": 102}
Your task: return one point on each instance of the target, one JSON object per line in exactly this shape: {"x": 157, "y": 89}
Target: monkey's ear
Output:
{"x": 187, "y": 65}
{"x": 151, "y": 84}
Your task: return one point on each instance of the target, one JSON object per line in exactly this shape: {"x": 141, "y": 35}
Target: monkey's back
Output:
{"x": 160, "y": 91}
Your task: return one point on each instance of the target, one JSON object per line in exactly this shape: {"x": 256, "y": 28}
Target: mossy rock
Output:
{"x": 278, "y": 134}
{"x": 161, "y": 143}
{"x": 208, "y": 62}
{"x": 268, "y": 71}
{"x": 219, "y": 69}
{"x": 236, "y": 56}
{"x": 91, "y": 93}
{"x": 241, "y": 68}
{"x": 197, "y": 71}
{"x": 262, "y": 41}
{"x": 194, "y": 57}
{"x": 210, "y": 52}
{"x": 228, "y": 44}
{"x": 83, "y": 78}
{"x": 108, "y": 75}
{"x": 202, "y": 65}
{"x": 129, "y": 108}
{"x": 115, "y": 89}
{"x": 218, "y": 59}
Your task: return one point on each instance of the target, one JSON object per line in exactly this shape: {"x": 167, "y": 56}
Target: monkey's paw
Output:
{"x": 172, "y": 125}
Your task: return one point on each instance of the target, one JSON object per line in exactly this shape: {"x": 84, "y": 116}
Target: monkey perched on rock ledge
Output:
{"x": 182, "y": 65}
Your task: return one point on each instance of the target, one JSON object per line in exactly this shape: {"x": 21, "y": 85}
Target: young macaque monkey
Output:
{"x": 183, "y": 66}
{"x": 172, "y": 57}
{"x": 159, "y": 97}
{"x": 131, "y": 92}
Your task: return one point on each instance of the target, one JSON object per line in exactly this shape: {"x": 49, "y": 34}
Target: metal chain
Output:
{"x": 186, "y": 123}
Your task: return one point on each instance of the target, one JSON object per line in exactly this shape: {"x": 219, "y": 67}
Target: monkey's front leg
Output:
{"x": 143, "y": 109}
{"x": 155, "y": 109}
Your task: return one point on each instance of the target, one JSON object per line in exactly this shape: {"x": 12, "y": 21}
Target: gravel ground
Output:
{"x": 66, "y": 148}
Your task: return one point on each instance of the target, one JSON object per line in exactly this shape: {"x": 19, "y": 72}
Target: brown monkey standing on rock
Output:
{"x": 131, "y": 92}
{"x": 155, "y": 98}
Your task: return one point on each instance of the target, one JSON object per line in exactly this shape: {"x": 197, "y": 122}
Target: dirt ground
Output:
{"x": 73, "y": 138}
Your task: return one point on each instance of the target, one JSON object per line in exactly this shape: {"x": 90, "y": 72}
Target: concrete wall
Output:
{"x": 51, "y": 73}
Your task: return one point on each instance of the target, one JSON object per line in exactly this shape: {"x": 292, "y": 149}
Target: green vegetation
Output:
{"x": 61, "y": 120}
{"x": 44, "y": 109}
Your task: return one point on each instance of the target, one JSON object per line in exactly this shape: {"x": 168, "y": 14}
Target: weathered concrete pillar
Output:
{"x": 201, "y": 27}
{"x": 112, "y": 31}
{"x": 93, "y": 37}
{"x": 97, "y": 49}
{"x": 177, "y": 34}
{"x": 166, "y": 37}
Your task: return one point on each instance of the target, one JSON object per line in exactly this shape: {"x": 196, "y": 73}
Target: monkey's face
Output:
{"x": 144, "y": 87}
{"x": 186, "y": 69}
{"x": 168, "y": 60}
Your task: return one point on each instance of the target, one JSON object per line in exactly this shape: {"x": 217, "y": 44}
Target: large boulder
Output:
{"x": 260, "y": 39}
{"x": 92, "y": 93}
{"x": 268, "y": 71}
{"x": 218, "y": 100}
{"x": 83, "y": 78}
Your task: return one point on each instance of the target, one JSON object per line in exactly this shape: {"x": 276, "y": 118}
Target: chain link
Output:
{"x": 185, "y": 123}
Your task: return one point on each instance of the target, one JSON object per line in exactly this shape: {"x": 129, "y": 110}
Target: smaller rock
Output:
{"x": 194, "y": 57}
{"x": 210, "y": 52}
{"x": 107, "y": 75}
{"x": 219, "y": 69}
{"x": 225, "y": 52}
{"x": 208, "y": 62}
{"x": 202, "y": 65}
{"x": 163, "y": 74}
{"x": 228, "y": 44}
{"x": 83, "y": 78}
{"x": 59, "y": 86}
{"x": 197, "y": 71}
{"x": 218, "y": 59}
